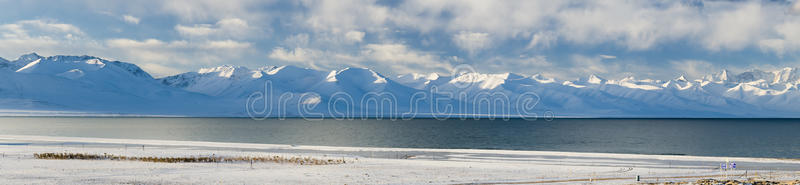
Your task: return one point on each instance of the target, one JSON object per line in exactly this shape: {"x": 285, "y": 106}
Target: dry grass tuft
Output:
{"x": 192, "y": 159}
{"x": 749, "y": 181}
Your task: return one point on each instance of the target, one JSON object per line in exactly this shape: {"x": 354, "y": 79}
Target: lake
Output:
{"x": 778, "y": 138}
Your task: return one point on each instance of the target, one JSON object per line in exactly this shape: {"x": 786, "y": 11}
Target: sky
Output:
{"x": 562, "y": 39}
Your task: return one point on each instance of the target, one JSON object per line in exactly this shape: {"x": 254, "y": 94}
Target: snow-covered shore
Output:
{"x": 365, "y": 165}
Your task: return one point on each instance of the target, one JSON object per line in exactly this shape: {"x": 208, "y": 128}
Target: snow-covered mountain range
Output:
{"x": 86, "y": 85}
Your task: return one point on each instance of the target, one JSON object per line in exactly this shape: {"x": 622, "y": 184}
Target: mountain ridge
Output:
{"x": 97, "y": 86}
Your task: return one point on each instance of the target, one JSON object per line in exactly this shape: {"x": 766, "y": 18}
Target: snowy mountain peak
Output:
{"x": 64, "y": 82}
{"x": 331, "y": 77}
{"x": 678, "y": 83}
{"x": 289, "y": 70}
{"x": 417, "y": 80}
{"x": 222, "y": 68}
{"x": 724, "y": 76}
{"x": 267, "y": 68}
{"x": 30, "y": 57}
{"x": 513, "y": 76}
{"x": 721, "y": 77}
{"x": 58, "y": 64}
{"x": 681, "y": 79}
{"x": 212, "y": 81}
{"x": 542, "y": 79}
{"x": 418, "y": 77}
{"x": 632, "y": 78}
{"x": 74, "y": 67}
{"x": 227, "y": 71}
{"x": 594, "y": 79}
{"x": 19, "y": 62}
{"x": 787, "y": 75}
{"x": 485, "y": 81}
{"x": 754, "y": 75}
{"x": 359, "y": 75}
{"x": 433, "y": 76}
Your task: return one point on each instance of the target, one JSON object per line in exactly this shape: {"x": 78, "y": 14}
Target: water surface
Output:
{"x": 706, "y": 137}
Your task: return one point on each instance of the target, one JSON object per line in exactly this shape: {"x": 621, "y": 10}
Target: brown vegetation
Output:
{"x": 192, "y": 159}
{"x": 749, "y": 181}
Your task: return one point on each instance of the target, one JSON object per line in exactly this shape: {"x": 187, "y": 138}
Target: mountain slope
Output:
{"x": 295, "y": 86}
{"x": 89, "y": 84}
{"x": 92, "y": 85}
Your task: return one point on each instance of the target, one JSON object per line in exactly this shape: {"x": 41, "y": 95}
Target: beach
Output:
{"x": 363, "y": 165}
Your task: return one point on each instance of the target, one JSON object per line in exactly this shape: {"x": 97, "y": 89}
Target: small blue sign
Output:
{"x": 733, "y": 165}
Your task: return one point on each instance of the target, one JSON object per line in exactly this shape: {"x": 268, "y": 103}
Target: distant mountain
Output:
{"x": 298, "y": 85}
{"x": 90, "y": 85}
{"x": 86, "y": 85}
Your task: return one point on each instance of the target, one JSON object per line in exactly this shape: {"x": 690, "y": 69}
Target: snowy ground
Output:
{"x": 365, "y": 165}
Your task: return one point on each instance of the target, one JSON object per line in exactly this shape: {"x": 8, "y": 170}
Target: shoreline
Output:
{"x": 370, "y": 166}
{"x": 5, "y": 113}
{"x": 234, "y": 145}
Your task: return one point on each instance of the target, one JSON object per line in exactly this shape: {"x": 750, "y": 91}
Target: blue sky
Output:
{"x": 563, "y": 39}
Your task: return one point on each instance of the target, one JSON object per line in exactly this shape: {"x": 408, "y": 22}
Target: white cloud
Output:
{"x": 212, "y": 10}
{"x": 156, "y": 44}
{"x": 42, "y": 36}
{"x": 53, "y": 38}
{"x": 148, "y": 43}
{"x": 224, "y": 28}
{"x": 166, "y": 55}
{"x": 130, "y": 19}
{"x": 542, "y": 40}
{"x": 226, "y": 44}
{"x": 392, "y": 58}
{"x": 195, "y": 31}
{"x": 232, "y": 23}
{"x": 693, "y": 69}
{"x": 150, "y": 51}
{"x": 158, "y": 70}
{"x": 355, "y": 36}
{"x": 582, "y": 66}
{"x": 328, "y": 34}
{"x": 585, "y": 66}
{"x": 297, "y": 40}
{"x": 51, "y": 26}
{"x": 296, "y": 55}
{"x": 523, "y": 65}
{"x": 795, "y": 7}
{"x": 400, "y": 59}
{"x": 590, "y": 22}
{"x": 345, "y": 15}
{"x": 735, "y": 29}
{"x": 788, "y": 39}
{"x": 27, "y": 27}
{"x": 607, "y": 56}
{"x": 505, "y": 19}
{"x": 472, "y": 42}
{"x": 400, "y": 54}
{"x": 774, "y": 45}
{"x": 637, "y": 25}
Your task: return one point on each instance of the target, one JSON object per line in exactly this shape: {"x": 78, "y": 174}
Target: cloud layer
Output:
{"x": 567, "y": 39}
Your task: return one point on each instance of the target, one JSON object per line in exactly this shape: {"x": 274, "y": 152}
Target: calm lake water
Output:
{"x": 706, "y": 137}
